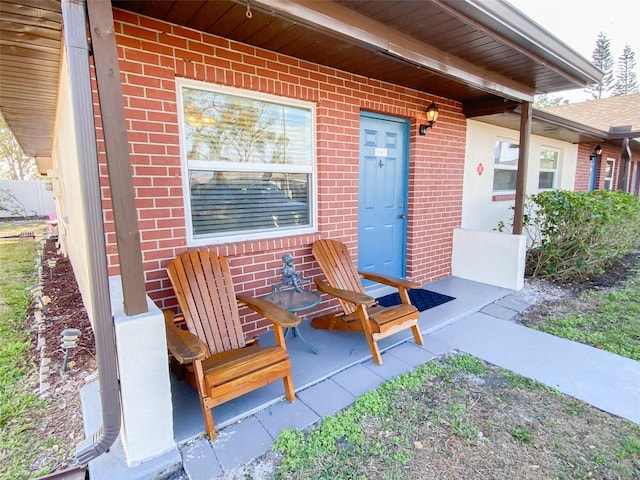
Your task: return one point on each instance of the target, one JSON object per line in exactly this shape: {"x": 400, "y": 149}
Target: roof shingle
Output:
{"x": 617, "y": 111}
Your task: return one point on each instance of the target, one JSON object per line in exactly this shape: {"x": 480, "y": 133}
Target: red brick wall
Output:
{"x": 609, "y": 151}
{"x": 583, "y": 167}
{"x": 153, "y": 54}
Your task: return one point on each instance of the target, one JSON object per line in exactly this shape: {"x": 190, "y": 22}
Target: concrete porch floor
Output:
{"x": 337, "y": 352}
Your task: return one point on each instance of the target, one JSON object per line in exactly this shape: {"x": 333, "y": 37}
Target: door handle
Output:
{"x": 402, "y": 215}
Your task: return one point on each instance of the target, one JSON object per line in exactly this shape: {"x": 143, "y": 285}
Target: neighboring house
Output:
{"x": 26, "y": 198}
{"x": 209, "y": 114}
{"x": 562, "y": 155}
{"x": 491, "y": 167}
{"x": 617, "y": 167}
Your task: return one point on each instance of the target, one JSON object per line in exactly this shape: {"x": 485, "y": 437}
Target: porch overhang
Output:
{"x": 464, "y": 50}
{"x": 546, "y": 124}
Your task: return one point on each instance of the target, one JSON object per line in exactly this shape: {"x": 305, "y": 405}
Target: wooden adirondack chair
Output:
{"x": 360, "y": 312}
{"x": 220, "y": 363}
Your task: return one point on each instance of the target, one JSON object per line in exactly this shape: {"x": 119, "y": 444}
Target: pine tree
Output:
{"x": 626, "y": 82}
{"x": 603, "y": 60}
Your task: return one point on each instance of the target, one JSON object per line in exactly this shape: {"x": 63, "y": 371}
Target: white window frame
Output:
{"x": 498, "y": 166}
{"x": 613, "y": 174}
{"x": 554, "y": 170}
{"x": 189, "y": 165}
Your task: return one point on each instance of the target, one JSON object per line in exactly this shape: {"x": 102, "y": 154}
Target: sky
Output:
{"x": 578, "y": 22}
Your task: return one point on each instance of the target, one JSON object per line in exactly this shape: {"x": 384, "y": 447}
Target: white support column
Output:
{"x": 147, "y": 410}
{"x": 489, "y": 257}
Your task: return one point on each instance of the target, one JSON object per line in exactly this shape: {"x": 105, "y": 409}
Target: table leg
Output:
{"x": 298, "y": 333}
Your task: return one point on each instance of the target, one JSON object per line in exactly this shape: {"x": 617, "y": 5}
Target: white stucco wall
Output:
{"x": 147, "y": 411}
{"x": 479, "y": 210}
{"x": 489, "y": 257}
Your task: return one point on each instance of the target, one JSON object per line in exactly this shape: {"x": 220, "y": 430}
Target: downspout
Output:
{"x": 636, "y": 189}
{"x": 625, "y": 166}
{"x": 99, "y": 302}
{"x": 593, "y": 175}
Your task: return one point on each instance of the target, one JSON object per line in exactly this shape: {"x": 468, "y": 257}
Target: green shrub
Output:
{"x": 576, "y": 235}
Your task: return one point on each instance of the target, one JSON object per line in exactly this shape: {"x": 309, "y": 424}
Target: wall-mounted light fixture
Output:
{"x": 432, "y": 116}
{"x": 598, "y": 150}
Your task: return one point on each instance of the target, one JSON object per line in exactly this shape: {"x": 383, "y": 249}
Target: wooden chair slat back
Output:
{"x": 337, "y": 266}
{"x": 204, "y": 289}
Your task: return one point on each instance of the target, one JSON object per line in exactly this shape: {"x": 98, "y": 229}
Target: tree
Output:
{"x": 603, "y": 60}
{"x": 544, "y": 101}
{"x": 626, "y": 81}
{"x": 14, "y": 163}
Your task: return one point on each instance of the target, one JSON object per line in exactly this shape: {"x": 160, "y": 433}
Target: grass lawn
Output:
{"x": 460, "y": 418}
{"x": 19, "y": 406}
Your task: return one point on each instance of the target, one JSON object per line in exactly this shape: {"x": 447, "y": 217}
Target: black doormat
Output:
{"x": 421, "y": 298}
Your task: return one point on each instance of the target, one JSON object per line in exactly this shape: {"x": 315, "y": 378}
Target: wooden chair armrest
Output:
{"x": 271, "y": 311}
{"x": 391, "y": 281}
{"x": 182, "y": 344}
{"x": 178, "y": 320}
{"x": 350, "y": 296}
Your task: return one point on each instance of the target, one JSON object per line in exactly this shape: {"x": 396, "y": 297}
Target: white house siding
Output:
{"x": 480, "y": 211}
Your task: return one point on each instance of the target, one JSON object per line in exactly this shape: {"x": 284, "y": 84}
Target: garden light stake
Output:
{"x": 69, "y": 339}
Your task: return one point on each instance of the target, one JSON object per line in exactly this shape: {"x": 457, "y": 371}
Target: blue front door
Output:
{"x": 382, "y": 197}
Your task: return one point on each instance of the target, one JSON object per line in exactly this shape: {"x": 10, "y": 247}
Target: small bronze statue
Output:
{"x": 289, "y": 275}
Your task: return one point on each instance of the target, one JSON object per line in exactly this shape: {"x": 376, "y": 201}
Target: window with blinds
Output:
{"x": 249, "y": 163}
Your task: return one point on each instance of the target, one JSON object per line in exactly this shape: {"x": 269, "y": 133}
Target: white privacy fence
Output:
{"x": 25, "y": 198}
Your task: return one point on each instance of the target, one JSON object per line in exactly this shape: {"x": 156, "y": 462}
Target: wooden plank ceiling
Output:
{"x": 493, "y": 49}
{"x": 467, "y": 43}
{"x": 30, "y": 36}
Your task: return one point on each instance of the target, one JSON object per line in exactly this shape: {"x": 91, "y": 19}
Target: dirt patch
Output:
{"x": 60, "y": 425}
{"x": 556, "y": 300}
{"x": 484, "y": 427}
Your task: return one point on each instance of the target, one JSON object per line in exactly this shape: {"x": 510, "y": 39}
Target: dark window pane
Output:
{"x": 504, "y": 179}
{"x": 232, "y": 202}
{"x": 545, "y": 180}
